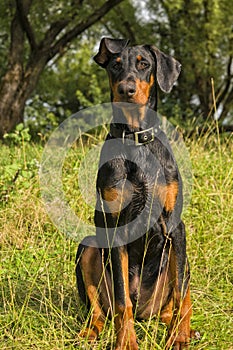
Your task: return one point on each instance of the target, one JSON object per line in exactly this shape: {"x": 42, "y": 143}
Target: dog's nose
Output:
{"x": 126, "y": 89}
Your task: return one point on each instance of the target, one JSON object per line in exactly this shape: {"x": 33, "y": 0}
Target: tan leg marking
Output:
{"x": 179, "y": 329}
{"x": 124, "y": 322}
{"x": 95, "y": 284}
{"x": 180, "y": 332}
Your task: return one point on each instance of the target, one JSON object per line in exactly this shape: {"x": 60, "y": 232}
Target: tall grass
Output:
{"x": 39, "y": 305}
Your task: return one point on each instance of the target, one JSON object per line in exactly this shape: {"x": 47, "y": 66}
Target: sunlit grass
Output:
{"x": 39, "y": 305}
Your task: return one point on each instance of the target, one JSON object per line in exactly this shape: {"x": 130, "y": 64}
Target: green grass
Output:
{"x": 39, "y": 305}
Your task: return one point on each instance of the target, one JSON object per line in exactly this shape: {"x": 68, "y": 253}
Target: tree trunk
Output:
{"x": 15, "y": 90}
{"x": 22, "y": 76}
{"x": 13, "y": 77}
{"x": 10, "y": 113}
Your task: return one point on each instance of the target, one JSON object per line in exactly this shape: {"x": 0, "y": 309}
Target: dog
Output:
{"x": 136, "y": 264}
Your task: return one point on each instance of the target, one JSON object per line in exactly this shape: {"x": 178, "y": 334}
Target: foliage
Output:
{"x": 19, "y": 135}
{"x": 80, "y": 79}
{"x": 17, "y": 170}
{"x": 194, "y": 32}
{"x": 39, "y": 305}
{"x": 83, "y": 85}
{"x": 198, "y": 33}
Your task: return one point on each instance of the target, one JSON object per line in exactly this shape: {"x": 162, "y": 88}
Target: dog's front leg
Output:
{"x": 180, "y": 332}
{"x": 124, "y": 323}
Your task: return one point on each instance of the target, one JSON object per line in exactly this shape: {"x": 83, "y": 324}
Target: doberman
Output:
{"x": 136, "y": 264}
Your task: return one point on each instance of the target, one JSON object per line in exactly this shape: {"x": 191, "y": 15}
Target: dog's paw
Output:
{"x": 129, "y": 346}
{"x": 177, "y": 341}
{"x": 182, "y": 341}
{"x": 89, "y": 334}
{"x": 126, "y": 344}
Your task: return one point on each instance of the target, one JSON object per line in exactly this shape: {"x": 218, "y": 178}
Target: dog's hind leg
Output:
{"x": 94, "y": 286}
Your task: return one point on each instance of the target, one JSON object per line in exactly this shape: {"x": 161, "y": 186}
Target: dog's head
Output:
{"x": 134, "y": 72}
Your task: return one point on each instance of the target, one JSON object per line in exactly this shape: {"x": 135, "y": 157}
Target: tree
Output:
{"x": 39, "y": 31}
{"x": 73, "y": 82}
{"x": 200, "y": 33}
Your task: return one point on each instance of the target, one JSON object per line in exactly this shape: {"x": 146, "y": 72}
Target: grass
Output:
{"x": 39, "y": 305}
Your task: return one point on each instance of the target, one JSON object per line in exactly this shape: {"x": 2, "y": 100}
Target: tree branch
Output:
{"x": 80, "y": 27}
{"x": 52, "y": 33}
{"x": 47, "y": 49}
{"x": 23, "y": 10}
{"x": 223, "y": 90}
{"x": 227, "y": 104}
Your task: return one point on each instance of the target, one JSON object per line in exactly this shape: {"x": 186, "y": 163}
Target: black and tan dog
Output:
{"x": 136, "y": 264}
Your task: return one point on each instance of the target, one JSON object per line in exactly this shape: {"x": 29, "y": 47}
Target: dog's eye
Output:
{"x": 142, "y": 65}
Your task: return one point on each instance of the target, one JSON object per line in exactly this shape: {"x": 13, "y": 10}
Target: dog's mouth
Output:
{"x": 132, "y": 102}
{"x": 129, "y": 104}
{"x": 124, "y": 99}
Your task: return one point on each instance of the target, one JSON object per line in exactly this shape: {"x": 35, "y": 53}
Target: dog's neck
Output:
{"x": 132, "y": 117}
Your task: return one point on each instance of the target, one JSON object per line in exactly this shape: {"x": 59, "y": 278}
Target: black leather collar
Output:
{"x": 137, "y": 138}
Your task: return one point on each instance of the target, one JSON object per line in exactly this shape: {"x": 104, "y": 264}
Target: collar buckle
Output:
{"x": 143, "y": 137}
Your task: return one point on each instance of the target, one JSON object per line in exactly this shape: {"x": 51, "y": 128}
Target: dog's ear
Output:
{"x": 168, "y": 69}
{"x": 108, "y": 47}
